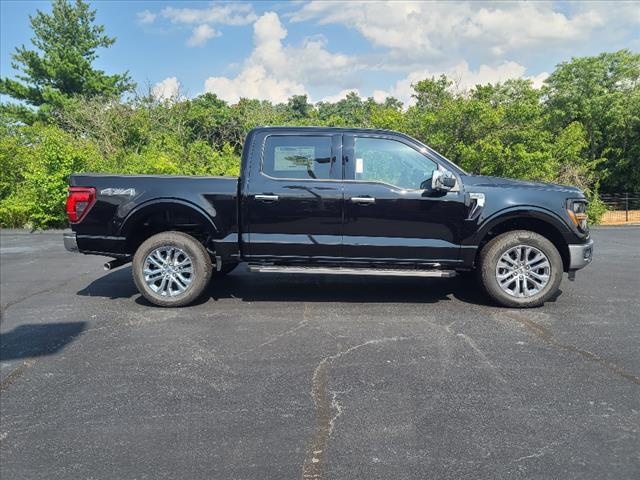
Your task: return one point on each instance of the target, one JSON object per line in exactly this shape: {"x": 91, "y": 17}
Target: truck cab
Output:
{"x": 356, "y": 196}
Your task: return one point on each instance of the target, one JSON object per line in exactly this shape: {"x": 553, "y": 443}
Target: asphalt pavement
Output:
{"x": 280, "y": 376}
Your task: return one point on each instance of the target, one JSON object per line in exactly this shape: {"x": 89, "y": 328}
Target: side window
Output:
{"x": 297, "y": 156}
{"x": 392, "y": 162}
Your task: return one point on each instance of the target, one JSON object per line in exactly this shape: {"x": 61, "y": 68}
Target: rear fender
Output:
{"x": 160, "y": 206}
{"x": 171, "y": 214}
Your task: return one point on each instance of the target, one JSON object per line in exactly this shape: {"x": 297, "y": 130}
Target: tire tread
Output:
{"x": 202, "y": 265}
{"x": 498, "y": 245}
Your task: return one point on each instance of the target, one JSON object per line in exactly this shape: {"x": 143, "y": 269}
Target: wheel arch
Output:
{"x": 166, "y": 214}
{"x": 540, "y": 221}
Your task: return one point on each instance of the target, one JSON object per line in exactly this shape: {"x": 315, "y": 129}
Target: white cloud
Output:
{"x": 167, "y": 90}
{"x": 412, "y": 40}
{"x": 274, "y": 71}
{"x": 415, "y": 32}
{"x": 462, "y": 76}
{"x": 310, "y": 62}
{"x": 224, "y": 14}
{"x": 146, "y": 17}
{"x": 201, "y": 34}
{"x": 253, "y": 82}
{"x": 380, "y": 95}
{"x": 202, "y": 20}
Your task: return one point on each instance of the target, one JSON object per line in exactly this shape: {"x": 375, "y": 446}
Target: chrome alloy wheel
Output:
{"x": 168, "y": 271}
{"x": 523, "y": 271}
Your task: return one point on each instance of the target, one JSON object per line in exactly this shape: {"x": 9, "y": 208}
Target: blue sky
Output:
{"x": 272, "y": 50}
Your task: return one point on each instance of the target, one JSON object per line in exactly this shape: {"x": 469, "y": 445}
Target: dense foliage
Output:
{"x": 581, "y": 128}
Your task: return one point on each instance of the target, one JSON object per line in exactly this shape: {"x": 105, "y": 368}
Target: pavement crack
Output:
{"x": 327, "y": 409}
{"x": 8, "y": 305}
{"x": 337, "y": 408}
{"x": 539, "y": 453}
{"x": 30, "y": 361}
{"x": 17, "y": 373}
{"x": 547, "y": 337}
{"x": 469, "y": 341}
{"x": 275, "y": 338}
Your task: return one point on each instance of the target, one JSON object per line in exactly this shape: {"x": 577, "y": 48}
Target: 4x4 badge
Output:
{"x": 118, "y": 191}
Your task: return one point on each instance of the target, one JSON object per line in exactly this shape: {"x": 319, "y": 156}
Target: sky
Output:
{"x": 272, "y": 50}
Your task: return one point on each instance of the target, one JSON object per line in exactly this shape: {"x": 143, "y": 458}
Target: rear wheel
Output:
{"x": 520, "y": 269}
{"x": 171, "y": 269}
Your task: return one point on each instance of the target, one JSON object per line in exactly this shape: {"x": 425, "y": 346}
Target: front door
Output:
{"x": 295, "y": 199}
{"x": 391, "y": 215}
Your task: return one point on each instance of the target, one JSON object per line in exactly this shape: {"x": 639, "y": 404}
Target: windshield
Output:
{"x": 438, "y": 157}
{"x": 441, "y": 158}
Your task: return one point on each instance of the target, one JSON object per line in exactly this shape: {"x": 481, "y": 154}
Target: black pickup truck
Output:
{"x": 333, "y": 201}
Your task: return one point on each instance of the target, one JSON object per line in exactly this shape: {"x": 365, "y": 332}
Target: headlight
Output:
{"x": 577, "y": 210}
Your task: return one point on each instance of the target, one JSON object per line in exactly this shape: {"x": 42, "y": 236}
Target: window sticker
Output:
{"x": 359, "y": 165}
{"x": 294, "y": 159}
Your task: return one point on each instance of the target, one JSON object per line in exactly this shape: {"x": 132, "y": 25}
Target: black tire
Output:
{"x": 493, "y": 251}
{"x": 226, "y": 269}
{"x": 200, "y": 265}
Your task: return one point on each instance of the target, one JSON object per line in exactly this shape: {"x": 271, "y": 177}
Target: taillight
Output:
{"x": 79, "y": 202}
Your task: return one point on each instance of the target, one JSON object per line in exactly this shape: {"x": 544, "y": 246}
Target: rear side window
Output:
{"x": 297, "y": 156}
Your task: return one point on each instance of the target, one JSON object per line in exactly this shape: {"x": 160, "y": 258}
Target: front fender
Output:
{"x": 521, "y": 212}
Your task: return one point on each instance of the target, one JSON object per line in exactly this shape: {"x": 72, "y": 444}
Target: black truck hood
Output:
{"x": 499, "y": 182}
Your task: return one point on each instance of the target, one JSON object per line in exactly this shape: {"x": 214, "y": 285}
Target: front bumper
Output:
{"x": 580, "y": 255}
{"x": 70, "y": 242}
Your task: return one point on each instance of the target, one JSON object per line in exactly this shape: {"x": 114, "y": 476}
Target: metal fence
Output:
{"x": 623, "y": 208}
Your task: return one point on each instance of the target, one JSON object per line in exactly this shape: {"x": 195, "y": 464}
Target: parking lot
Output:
{"x": 274, "y": 376}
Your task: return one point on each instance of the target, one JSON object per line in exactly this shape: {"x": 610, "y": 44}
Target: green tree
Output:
{"x": 47, "y": 156}
{"x": 61, "y": 66}
{"x": 392, "y": 102}
{"x": 432, "y": 93}
{"x": 492, "y": 130}
{"x": 298, "y": 106}
{"x": 349, "y": 111}
{"x": 603, "y": 94}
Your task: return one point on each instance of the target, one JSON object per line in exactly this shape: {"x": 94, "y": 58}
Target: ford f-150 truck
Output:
{"x": 333, "y": 201}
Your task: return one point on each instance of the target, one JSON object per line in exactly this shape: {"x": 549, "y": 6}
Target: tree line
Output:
{"x": 581, "y": 128}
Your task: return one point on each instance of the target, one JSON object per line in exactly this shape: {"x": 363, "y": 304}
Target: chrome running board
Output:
{"x": 384, "y": 272}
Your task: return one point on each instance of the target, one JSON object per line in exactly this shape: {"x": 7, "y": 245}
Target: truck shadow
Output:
{"x": 36, "y": 340}
{"x": 115, "y": 284}
{"x": 267, "y": 287}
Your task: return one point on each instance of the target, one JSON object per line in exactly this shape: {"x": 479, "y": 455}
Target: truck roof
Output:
{"x": 326, "y": 129}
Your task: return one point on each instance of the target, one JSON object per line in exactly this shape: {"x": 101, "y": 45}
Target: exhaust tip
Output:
{"x": 115, "y": 263}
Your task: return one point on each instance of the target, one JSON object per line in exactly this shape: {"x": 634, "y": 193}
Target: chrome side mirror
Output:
{"x": 442, "y": 180}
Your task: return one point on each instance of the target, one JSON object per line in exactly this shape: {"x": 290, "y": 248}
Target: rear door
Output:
{"x": 391, "y": 214}
{"x": 294, "y": 200}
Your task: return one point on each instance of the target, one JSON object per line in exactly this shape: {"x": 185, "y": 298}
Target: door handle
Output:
{"x": 363, "y": 200}
{"x": 267, "y": 198}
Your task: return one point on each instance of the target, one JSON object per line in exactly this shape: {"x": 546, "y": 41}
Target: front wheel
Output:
{"x": 520, "y": 269}
{"x": 171, "y": 269}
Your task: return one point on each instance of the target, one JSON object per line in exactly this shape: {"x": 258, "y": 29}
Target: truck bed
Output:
{"x": 113, "y": 216}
